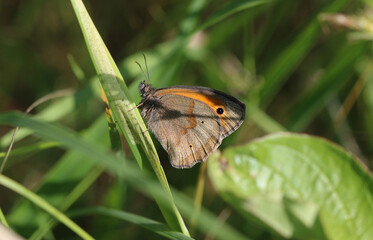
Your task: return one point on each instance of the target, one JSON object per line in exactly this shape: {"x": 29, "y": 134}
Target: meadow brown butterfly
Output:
{"x": 189, "y": 122}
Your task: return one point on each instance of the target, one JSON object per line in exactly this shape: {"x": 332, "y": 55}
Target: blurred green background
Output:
{"x": 296, "y": 64}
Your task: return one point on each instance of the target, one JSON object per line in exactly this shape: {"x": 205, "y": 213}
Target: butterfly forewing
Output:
{"x": 230, "y": 110}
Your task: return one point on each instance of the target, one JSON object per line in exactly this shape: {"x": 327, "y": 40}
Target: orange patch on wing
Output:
{"x": 208, "y": 99}
{"x": 205, "y": 98}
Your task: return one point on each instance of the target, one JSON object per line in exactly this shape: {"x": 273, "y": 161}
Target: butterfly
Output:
{"x": 190, "y": 122}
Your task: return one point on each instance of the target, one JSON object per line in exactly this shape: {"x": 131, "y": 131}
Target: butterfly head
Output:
{"x": 145, "y": 89}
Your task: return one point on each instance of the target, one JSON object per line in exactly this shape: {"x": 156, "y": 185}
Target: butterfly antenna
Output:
{"x": 147, "y": 69}
{"x": 147, "y": 77}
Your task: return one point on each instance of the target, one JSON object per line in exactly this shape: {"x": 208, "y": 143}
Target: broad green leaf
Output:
{"x": 298, "y": 185}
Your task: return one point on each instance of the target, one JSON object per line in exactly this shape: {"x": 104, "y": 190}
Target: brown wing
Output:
{"x": 188, "y": 130}
{"x": 230, "y": 110}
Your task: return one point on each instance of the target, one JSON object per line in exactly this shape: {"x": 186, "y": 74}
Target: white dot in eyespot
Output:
{"x": 220, "y": 111}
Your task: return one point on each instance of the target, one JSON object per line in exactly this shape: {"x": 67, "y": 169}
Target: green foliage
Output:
{"x": 300, "y": 186}
{"x": 295, "y": 64}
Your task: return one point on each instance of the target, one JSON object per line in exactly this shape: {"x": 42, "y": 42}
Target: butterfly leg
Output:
{"x": 137, "y": 106}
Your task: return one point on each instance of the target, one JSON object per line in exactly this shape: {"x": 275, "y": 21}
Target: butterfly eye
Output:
{"x": 220, "y": 111}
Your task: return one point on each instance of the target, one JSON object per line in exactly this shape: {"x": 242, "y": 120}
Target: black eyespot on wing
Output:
{"x": 220, "y": 111}
{"x": 190, "y": 145}
{"x": 202, "y": 121}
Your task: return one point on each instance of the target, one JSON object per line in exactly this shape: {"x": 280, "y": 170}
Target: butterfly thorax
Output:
{"x": 148, "y": 102}
{"x": 146, "y": 90}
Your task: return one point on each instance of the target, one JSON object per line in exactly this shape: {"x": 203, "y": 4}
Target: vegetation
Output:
{"x": 298, "y": 167}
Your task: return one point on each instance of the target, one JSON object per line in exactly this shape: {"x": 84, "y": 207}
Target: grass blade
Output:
{"x": 146, "y": 223}
{"x": 276, "y": 74}
{"x": 18, "y": 188}
{"x": 129, "y": 122}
